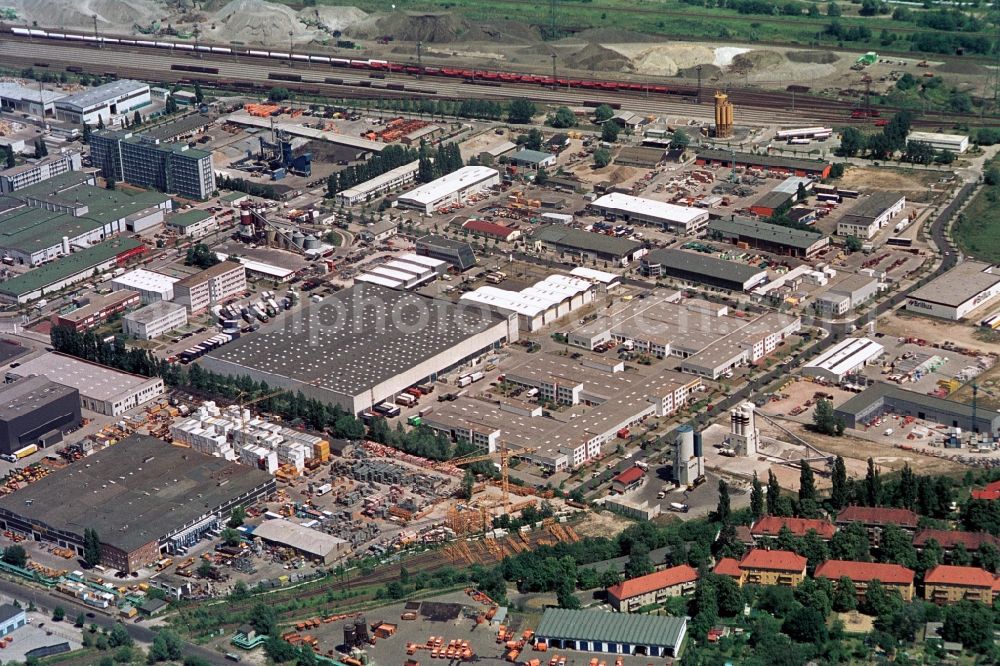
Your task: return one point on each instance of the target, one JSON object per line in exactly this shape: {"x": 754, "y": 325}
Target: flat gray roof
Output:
{"x": 357, "y": 338}
{"x": 587, "y": 241}
{"x": 958, "y": 285}
{"x": 137, "y": 491}
{"x": 880, "y": 390}
{"x": 765, "y": 231}
{"x": 702, "y": 264}
{"x": 28, "y": 394}
{"x": 874, "y": 205}
{"x": 91, "y": 379}
{"x": 300, "y": 537}
{"x": 153, "y": 311}
{"x": 604, "y": 627}
{"x": 89, "y": 98}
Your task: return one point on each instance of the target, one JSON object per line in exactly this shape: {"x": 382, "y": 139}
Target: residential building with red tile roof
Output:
{"x": 772, "y": 567}
{"x": 770, "y": 526}
{"x": 875, "y": 518}
{"x": 949, "y": 539}
{"x": 630, "y": 595}
{"x": 729, "y": 566}
{"x": 990, "y": 492}
{"x": 892, "y": 576}
{"x": 946, "y": 584}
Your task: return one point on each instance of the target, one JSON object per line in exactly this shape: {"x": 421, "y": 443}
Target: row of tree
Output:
{"x": 390, "y": 158}
{"x": 225, "y": 182}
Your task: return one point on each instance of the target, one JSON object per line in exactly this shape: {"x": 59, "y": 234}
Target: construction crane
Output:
{"x": 246, "y": 403}
{"x": 503, "y": 453}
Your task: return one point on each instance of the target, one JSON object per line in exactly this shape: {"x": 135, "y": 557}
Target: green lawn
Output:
{"x": 977, "y": 230}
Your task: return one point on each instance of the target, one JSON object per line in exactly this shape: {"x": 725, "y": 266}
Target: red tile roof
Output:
{"x": 654, "y": 581}
{"x": 629, "y": 476}
{"x": 773, "y": 560}
{"x": 948, "y": 539}
{"x": 728, "y": 566}
{"x": 771, "y": 526}
{"x": 990, "y": 492}
{"x": 877, "y": 515}
{"x": 944, "y": 574}
{"x": 864, "y": 572}
{"x": 489, "y": 228}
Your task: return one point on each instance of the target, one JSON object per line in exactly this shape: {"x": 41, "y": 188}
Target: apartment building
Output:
{"x": 875, "y": 518}
{"x": 144, "y": 161}
{"x": 25, "y": 175}
{"x": 94, "y": 310}
{"x": 945, "y": 584}
{"x": 655, "y": 588}
{"x": 212, "y": 285}
{"x": 764, "y": 567}
{"x": 154, "y": 320}
{"x": 891, "y": 576}
{"x": 771, "y": 526}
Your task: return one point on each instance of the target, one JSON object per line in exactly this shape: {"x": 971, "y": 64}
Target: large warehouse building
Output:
{"x": 844, "y": 358}
{"x": 142, "y": 496}
{"x": 958, "y": 292}
{"x": 702, "y": 269}
{"x": 103, "y": 103}
{"x": 585, "y": 244}
{"x": 35, "y": 410}
{"x": 678, "y": 219}
{"x": 871, "y": 214}
{"x": 888, "y": 399}
{"x": 616, "y": 633}
{"x": 767, "y": 237}
{"x": 795, "y": 166}
{"x": 364, "y": 345}
{"x": 102, "y": 389}
{"x": 452, "y": 188}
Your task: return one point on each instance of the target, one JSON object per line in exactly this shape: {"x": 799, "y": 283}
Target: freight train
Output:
{"x": 474, "y": 76}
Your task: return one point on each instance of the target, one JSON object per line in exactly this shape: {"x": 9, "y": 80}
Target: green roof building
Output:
{"x": 617, "y": 633}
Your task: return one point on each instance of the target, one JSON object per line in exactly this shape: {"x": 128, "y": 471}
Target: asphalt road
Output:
{"x": 47, "y": 601}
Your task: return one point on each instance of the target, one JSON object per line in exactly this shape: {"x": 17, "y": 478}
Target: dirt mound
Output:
{"x": 116, "y": 14}
{"x": 813, "y": 57}
{"x": 755, "y": 60}
{"x": 334, "y": 18}
{"x": 429, "y": 27}
{"x": 259, "y": 22}
{"x": 595, "y": 57}
{"x": 708, "y": 72}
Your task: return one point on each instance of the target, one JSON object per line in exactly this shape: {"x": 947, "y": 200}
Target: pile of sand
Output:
{"x": 757, "y": 60}
{"x": 334, "y": 18}
{"x": 598, "y": 58}
{"x": 119, "y": 15}
{"x": 259, "y": 22}
{"x": 813, "y": 57}
{"x": 429, "y": 27}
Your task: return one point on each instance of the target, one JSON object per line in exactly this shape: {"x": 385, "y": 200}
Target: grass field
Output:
{"x": 977, "y": 230}
{"x": 673, "y": 18}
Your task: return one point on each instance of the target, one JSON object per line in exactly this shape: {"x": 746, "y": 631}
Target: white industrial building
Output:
{"x": 154, "y": 320}
{"x": 102, "y": 389}
{"x": 606, "y": 281}
{"x": 15, "y": 97}
{"x": 152, "y": 286}
{"x": 955, "y": 143}
{"x": 379, "y": 185}
{"x": 958, "y": 292}
{"x": 106, "y": 102}
{"x": 402, "y": 273}
{"x": 539, "y": 305}
{"x": 25, "y": 175}
{"x": 452, "y": 188}
{"x": 678, "y": 219}
{"x": 212, "y": 285}
{"x": 871, "y": 214}
{"x": 844, "y": 358}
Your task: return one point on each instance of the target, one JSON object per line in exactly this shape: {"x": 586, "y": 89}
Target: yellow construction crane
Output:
{"x": 504, "y": 454}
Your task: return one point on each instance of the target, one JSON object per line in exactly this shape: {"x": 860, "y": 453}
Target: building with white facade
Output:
{"x": 379, "y": 185}
{"x": 152, "y": 286}
{"x": 871, "y": 214}
{"x": 102, "y": 389}
{"x": 154, "y": 320}
{"x": 955, "y": 143}
{"x": 212, "y": 285}
{"x": 15, "y": 97}
{"x": 454, "y": 187}
{"x": 35, "y": 172}
{"x": 193, "y": 223}
{"x": 678, "y": 219}
{"x": 844, "y": 358}
{"x": 105, "y": 102}
{"x": 958, "y": 292}
{"x": 539, "y": 305}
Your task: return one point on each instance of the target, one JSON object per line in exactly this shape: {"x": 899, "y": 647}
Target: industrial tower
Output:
{"x": 723, "y": 116}
{"x": 689, "y": 457}
{"x": 744, "y": 437}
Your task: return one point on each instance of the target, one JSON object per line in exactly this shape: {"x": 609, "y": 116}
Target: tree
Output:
{"x": 816, "y": 593}
{"x": 264, "y": 619}
{"x": 8, "y": 156}
{"x": 823, "y": 419}
{"x": 119, "y": 636}
{"x": 111, "y": 183}
{"x": 532, "y": 140}
{"x": 680, "y": 139}
{"x": 638, "y": 563}
{"x": 15, "y": 555}
{"x": 845, "y": 595}
{"x": 839, "y": 492}
{"x": 603, "y": 113}
{"x": 873, "y": 485}
{"x": 609, "y": 132}
{"x": 166, "y": 646}
{"x": 100, "y": 122}
{"x": 231, "y": 537}
{"x": 137, "y": 118}
{"x": 278, "y": 94}
{"x": 970, "y": 624}
{"x": 853, "y": 244}
{"x": 833, "y": 10}
{"x": 205, "y": 569}
{"x": 237, "y": 517}
{"x": 807, "y": 483}
{"x": 541, "y": 176}
{"x": 468, "y": 481}
{"x": 773, "y": 493}
{"x": 756, "y": 498}
{"x": 80, "y": 621}
{"x": 896, "y": 547}
{"x": 723, "y": 510}
{"x": 202, "y": 256}
{"x": 850, "y": 543}
{"x": 199, "y": 96}
{"x": 58, "y": 614}
{"x": 279, "y": 651}
{"x": 729, "y": 596}
{"x": 563, "y": 118}
{"x": 170, "y": 107}
{"x": 602, "y": 158}
{"x": 40, "y": 149}
{"x": 521, "y": 111}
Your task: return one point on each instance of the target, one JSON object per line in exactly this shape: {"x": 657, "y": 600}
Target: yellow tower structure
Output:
{"x": 723, "y": 116}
